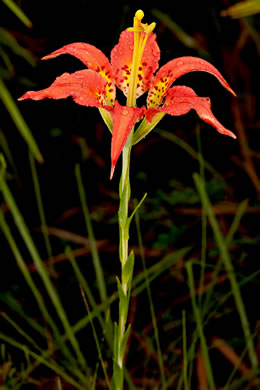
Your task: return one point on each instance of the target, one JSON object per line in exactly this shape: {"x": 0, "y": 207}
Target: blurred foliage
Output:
{"x": 242, "y": 9}
{"x": 8, "y": 43}
{"x": 18, "y": 12}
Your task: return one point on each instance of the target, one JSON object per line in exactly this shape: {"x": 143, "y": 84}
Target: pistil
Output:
{"x": 141, "y": 33}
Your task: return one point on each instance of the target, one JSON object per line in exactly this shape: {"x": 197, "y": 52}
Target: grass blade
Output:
{"x": 19, "y": 221}
{"x": 228, "y": 239}
{"x": 48, "y": 363}
{"x": 157, "y": 269}
{"x": 17, "y": 117}
{"x": 153, "y": 272}
{"x": 92, "y": 241}
{"x": 185, "y": 358}
{"x": 96, "y": 339}
{"x": 38, "y": 196}
{"x": 18, "y": 12}
{"x": 187, "y": 148}
{"x": 93, "y": 247}
{"x": 38, "y": 296}
{"x": 180, "y": 34}
{"x": 150, "y": 299}
{"x": 199, "y": 324}
{"x": 6, "y": 150}
{"x": 203, "y": 220}
{"x": 90, "y": 297}
{"x": 7, "y": 39}
{"x": 229, "y": 270}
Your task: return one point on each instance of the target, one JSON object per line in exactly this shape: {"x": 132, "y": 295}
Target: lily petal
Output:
{"x": 121, "y": 60}
{"x": 85, "y": 86}
{"x": 124, "y": 118}
{"x": 173, "y": 70}
{"x": 180, "y": 100}
{"x": 94, "y": 59}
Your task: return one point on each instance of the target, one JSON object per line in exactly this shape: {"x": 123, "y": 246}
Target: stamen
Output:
{"x": 150, "y": 28}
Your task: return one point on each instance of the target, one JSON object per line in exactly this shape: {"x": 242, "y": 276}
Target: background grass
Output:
{"x": 194, "y": 308}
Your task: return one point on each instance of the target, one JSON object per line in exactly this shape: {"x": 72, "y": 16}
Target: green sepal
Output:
{"x": 124, "y": 341}
{"x": 127, "y": 271}
{"x": 107, "y": 118}
{"x": 145, "y": 127}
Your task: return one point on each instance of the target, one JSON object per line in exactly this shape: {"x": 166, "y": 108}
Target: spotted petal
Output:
{"x": 173, "y": 70}
{"x": 124, "y": 118}
{"x": 121, "y": 60}
{"x": 85, "y": 86}
{"x": 94, "y": 59}
{"x": 180, "y": 100}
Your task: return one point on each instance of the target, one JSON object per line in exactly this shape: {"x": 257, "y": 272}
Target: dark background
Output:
{"x": 67, "y": 134}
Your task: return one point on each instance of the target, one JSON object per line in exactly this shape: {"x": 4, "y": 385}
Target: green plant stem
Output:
{"x": 124, "y": 233}
{"x": 127, "y": 261}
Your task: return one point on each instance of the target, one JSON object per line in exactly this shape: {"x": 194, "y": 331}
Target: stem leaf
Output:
{"x": 136, "y": 208}
{"x": 117, "y": 377}
{"x": 123, "y": 301}
{"x": 124, "y": 341}
{"x": 127, "y": 271}
{"x": 115, "y": 341}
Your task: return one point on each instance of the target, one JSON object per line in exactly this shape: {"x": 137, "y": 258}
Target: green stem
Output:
{"x": 124, "y": 286}
{"x": 124, "y": 228}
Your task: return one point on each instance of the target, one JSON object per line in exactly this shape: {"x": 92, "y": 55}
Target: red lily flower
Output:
{"x": 133, "y": 63}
